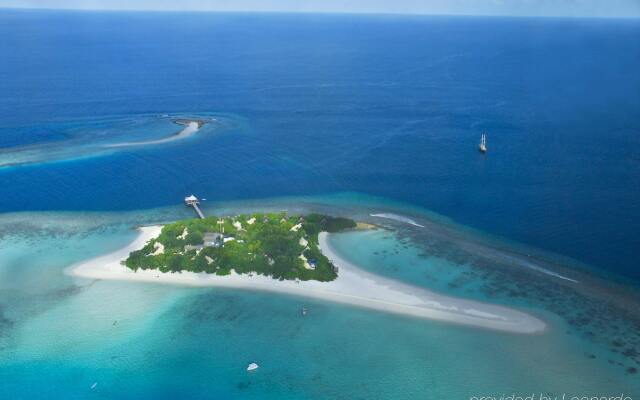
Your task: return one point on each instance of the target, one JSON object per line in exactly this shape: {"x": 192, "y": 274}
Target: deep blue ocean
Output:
{"x": 317, "y": 109}
{"x": 385, "y": 105}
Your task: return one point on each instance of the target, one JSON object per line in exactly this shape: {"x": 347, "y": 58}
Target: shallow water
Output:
{"x": 87, "y": 138}
{"x": 61, "y": 335}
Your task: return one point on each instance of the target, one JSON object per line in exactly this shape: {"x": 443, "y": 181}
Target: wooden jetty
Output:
{"x": 193, "y": 202}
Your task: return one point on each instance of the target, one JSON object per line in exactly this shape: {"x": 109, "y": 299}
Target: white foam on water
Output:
{"x": 398, "y": 218}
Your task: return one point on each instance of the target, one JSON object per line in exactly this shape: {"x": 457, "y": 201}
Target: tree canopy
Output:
{"x": 273, "y": 244}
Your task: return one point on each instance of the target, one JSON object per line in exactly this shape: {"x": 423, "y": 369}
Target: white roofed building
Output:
{"x": 189, "y": 200}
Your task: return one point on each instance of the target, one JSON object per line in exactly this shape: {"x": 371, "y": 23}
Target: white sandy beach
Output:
{"x": 190, "y": 129}
{"x": 353, "y": 286}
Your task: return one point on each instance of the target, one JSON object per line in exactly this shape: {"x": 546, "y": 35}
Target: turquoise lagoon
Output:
{"x": 61, "y": 335}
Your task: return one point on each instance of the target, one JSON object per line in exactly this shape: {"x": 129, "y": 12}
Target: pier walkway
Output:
{"x": 193, "y": 202}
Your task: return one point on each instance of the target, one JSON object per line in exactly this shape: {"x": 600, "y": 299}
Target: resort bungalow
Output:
{"x": 196, "y": 247}
{"x": 213, "y": 239}
{"x": 191, "y": 200}
{"x": 210, "y": 239}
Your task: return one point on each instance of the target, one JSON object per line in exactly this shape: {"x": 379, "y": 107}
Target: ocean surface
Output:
{"x": 351, "y": 115}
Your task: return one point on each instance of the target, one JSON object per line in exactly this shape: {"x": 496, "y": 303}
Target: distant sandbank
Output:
{"x": 353, "y": 286}
{"x": 74, "y": 148}
{"x": 190, "y": 128}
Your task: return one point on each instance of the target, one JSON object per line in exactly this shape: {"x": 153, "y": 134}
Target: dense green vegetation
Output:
{"x": 276, "y": 245}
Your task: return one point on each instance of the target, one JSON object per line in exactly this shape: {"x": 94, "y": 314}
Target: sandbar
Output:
{"x": 353, "y": 286}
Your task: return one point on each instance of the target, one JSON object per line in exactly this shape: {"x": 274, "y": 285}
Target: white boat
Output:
{"x": 304, "y": 311}
{"x": 94, "y": 385}
{"x": 252, "y": 366}
{"x": 483, "y": 144}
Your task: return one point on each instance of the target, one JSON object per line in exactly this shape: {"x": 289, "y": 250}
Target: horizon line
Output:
{"x": 310, "y": 12}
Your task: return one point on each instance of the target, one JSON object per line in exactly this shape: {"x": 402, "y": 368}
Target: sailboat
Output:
{"x": 483, "y": 144}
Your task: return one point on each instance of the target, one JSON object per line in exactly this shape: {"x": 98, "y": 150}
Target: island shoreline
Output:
{"x": 353, "y": 286}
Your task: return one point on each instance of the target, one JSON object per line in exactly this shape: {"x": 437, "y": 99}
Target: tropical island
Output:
{"x": 271, "y": 244}
{"x": 278, "y": 253}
